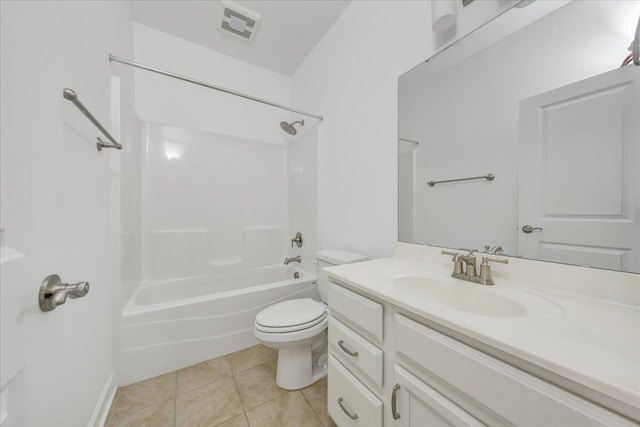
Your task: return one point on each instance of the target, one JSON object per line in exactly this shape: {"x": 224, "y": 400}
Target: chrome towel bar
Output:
{"x": 70, "y": 95}
{"x": 488, "y": 177}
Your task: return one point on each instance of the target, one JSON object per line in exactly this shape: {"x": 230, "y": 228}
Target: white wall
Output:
{"x": 58, "y": 196}
{"x": 351, "y": 78}
{"x": 163, "y": 100}
{"x": 469, "y": 126}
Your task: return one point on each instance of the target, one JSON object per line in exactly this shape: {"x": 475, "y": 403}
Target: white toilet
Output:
{"x": 298, "y": 328}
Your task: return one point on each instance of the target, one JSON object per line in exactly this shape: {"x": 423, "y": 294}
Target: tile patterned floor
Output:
{"x": 236, "y": 390}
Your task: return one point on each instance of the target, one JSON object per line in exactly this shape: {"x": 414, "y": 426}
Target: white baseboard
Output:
{"x": 103, "y": 406}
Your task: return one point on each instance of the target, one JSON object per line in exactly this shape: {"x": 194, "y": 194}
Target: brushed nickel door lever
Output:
{"x": 54, "y": 293}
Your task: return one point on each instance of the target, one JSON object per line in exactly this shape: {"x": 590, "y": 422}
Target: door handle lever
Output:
{"x": 54, "y": 293}
{"x": 528, "y": 229}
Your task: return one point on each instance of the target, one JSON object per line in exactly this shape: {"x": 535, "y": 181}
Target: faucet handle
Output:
{"x": 457, "y": 262}
{"x": 297, "y": 240}
{"x": 471, "y": 251}
{"x": 449, "y": 253}
{"x": 485, "y": 269}
{"x": 486, "y": 259}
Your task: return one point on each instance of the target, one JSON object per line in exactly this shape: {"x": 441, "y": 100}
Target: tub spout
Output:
{"x": 288, "y": 261}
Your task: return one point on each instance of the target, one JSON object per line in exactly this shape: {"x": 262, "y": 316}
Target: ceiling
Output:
{"x": 289, "y": 30}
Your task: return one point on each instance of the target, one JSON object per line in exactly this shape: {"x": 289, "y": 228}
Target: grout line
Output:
{"x": 175, "y": 402}
{"x": 259, "y": 364}
{"x": 124, "y": 414}
{"x": 207, "y": 384}
{"x": 244, "y": 411}
{"x": 270, "y": 400}
{"x": 313, "y": 411}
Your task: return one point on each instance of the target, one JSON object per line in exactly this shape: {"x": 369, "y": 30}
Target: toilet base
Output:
{"x": 295, "y": 368}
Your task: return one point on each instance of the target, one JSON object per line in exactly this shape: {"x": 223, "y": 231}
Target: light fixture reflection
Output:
{"x": 173, "y": 150}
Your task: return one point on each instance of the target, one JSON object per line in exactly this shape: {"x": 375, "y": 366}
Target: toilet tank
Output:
{"x": 329, "y": 258}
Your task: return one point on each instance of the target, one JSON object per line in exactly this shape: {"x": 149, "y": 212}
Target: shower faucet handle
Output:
{"x": 297, "y": 240}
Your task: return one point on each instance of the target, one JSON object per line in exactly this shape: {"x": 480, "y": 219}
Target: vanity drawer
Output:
{"x": 362, "y": 312}
{"x": 517, "y": 396}
{"x": 356, "y": 351}
{"x": 349, "y": 402}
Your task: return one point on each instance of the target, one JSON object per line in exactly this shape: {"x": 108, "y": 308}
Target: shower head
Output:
{"x": 289, "y": 128}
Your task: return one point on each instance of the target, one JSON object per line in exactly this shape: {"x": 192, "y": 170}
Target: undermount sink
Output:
{"x": 469, "y": 298}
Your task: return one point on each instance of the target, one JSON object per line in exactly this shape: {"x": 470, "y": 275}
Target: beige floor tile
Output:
{"x": 251, "y": 357}
{"x": 289, "y": 410}
{"x": 258, "y": 385}
{"x": 239, "y": 421}
{"x": 316, "y": 395}
{"x": 208, "y": 406}
{"x": 145, "y": 393}
{"x": 205, "y": 373}
{"x": 159, "y": 415}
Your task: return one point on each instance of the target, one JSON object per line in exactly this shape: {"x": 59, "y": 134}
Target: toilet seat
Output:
{"x": 291, "y": 316}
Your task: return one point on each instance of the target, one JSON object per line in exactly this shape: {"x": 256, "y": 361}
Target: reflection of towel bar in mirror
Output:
{"x": 410, "y": 141}
{"x": 488, "y": 177}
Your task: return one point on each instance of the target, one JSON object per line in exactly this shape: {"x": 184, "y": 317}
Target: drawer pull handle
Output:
{"x": 394, "y": 396}
{"x": 346, "y": 411}
{"x": 346, "y": 350}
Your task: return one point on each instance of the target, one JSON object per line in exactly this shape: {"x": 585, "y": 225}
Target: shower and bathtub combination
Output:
{"x": 208, "y": 215}
{"x": 171, "y": 324}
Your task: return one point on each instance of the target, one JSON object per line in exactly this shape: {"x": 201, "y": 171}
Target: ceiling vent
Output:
{"x": 238, "y": 20}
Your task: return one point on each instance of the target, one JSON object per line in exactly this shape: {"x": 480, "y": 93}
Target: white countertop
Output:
{"x": 593, "y": 342}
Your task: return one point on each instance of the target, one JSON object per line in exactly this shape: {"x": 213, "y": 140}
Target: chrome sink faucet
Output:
{"x": 469, "y": 262}
{"x": 288, "y": 261}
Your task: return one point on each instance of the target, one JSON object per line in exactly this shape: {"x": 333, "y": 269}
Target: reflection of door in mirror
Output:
{"x": 406, "y": 179}
{"x": 579, "y": 180}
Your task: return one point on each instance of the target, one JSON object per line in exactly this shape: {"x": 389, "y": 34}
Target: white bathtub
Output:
{"x": 168, "y": 325}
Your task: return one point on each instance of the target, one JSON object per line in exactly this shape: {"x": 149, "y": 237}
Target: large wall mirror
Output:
{"x": 523, "y": 138}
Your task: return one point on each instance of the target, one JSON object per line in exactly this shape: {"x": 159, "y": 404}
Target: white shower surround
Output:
{"x": 171, "y": 324}
{"x": 210, "y": 202}
{"x": 214, "y": 191}
{"x": 215, "y": 221}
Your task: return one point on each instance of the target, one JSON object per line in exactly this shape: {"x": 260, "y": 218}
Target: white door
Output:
{"x": 418, "y": 404}
{"x": 57, "y": 193}
{"x": 579, "y": 172}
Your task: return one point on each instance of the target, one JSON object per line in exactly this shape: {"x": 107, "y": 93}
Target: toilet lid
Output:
{"x": 297, "y": 312}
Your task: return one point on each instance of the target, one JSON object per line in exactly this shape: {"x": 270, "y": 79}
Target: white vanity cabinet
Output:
{"x": 515, "y": 396}
{"x": 413, "y": 375}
